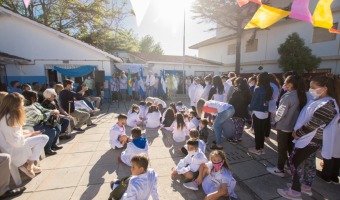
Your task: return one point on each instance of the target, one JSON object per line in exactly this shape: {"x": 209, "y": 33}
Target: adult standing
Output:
{"x": 195, "y": 92}
{"x": 123, "y": 85}
{"x": 66, "y": 99}
{"x": 89, "y": 82}
{"x": 24, "y": 146}
{"x": 114, "y": 86}
{"x": 240, "y": 99}
{"x": 259, "y": 107}
{"x": 207, "y": 88}
{"x": 222, "y": 111}
{"x": 315, "y": 128}
{"x": 156, "y": 85}
{"x": 187, "y": 84}
{"x": 275, "y": 85}
{"x": 150, "y": 82}
{"x": 287, "y": 113}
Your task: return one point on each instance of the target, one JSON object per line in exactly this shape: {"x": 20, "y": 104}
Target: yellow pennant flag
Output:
{"x": 266, "y": 16}
{"x": 322, "y": 16}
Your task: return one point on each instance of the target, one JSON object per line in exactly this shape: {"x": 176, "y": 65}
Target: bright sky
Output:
{"x": 164, "y": 21}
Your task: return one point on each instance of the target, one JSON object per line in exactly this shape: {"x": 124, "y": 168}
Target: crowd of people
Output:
{"x": 305, "y": 116}
{"x": 33, "y": 120}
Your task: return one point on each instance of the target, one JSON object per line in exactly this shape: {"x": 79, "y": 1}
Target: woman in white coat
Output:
{"x": 23, "y": 146}
{"x": 195, "y": 92}
{"x": 153, "y": 117}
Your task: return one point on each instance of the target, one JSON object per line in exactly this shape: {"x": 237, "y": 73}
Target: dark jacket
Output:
{"x": 66, "y": 98}
{"x": 240, "y": 101}
{"x": 52, "y": 105}
{"x": 258, "y": 101}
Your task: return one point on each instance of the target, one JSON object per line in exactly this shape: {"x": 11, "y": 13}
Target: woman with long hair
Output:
{"x": 316, "y": 128}
{"x": 291, "y": 103}
{"x": 24, "y": 146}
{"x": 240, "y": 99}
{"x": 153, "y": 117}
{"x": 259, "y": 106}
{"x": 168, "y": 117}
{"x": 36, "y": 116}
{"x": 217, "y": 91}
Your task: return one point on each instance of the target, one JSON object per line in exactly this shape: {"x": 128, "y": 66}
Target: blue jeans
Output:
{"x": 62, "y": 127}
{"x": 220, "y": 119}
{"x": 52, "y": 134}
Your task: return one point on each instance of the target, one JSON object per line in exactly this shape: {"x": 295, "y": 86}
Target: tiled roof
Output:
{"x": 149, "y": 57}
{"x": 212, "y": 40}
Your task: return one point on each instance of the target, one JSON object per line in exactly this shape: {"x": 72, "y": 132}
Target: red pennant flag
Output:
{"x": 332, "y": 30}
{"x": 244, "y": 2}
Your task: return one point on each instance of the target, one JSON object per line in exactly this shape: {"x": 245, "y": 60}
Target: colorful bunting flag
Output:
{"x": 244, "y": 2}
{"x": 322, "y": 16}
{"x": 266, "y": 16}
{"x": 332, "y": 30}
{"x": 27, "y": 2}
{"x": 301, "y": 11}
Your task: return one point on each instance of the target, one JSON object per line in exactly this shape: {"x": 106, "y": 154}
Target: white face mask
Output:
{"x": 314, "y": 93}
{"x": 23, "y": 103}
{"x": 251, "y": 84}
{"x": 206, "y": 82}
{"x": 191, "y": 153}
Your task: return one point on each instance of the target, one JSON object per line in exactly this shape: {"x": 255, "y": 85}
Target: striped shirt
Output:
{"x": 35, "y": 113}
{"x": 320, "y": 119}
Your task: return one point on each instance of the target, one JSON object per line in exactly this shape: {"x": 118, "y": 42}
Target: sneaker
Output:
{"x": 263, "y": 152}
{"x": 276, "y": 171}
{"x": 92, "y": 125}
{"x": 79, "y": 130}
{"x": 326, "y": 179}
{"x": 233, "y": 141}
{"x": 191, "y": 185}
{"x": 255, "y": 151}
{"x": 215, "y": 147}
{"x": 289, "y": 194}
{"x": 335, "y": 181}
{"x": 304, "y": 189}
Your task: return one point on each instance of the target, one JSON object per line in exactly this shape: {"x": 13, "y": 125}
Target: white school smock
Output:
{"x": 214, "y": 180}
{"x": 329, "y": 131}
{"x": 142, "y": 186}
{"x": 191, "y": 163}
{"x": 206, "y": 91}
{"x": 153, "y": 119}
{"x": 143, "y": 111}
{"x": 132, "y": 119}
{"x": 132, "y": 150}
{"x": 179, "y": 134}
{"x": 195, "y": 92}
{"x": 115, "y": 132}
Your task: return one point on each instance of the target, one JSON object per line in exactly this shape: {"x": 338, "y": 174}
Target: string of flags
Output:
{"x": 266, "y": 15}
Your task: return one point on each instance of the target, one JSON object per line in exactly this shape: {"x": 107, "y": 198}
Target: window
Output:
{"x": 203, "y": 73}
{"x": 231, "y": 49}
{"x": 252, "y": 47}
{"x": 323, "y": 35}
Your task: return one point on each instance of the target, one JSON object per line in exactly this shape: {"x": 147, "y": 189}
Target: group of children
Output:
{"x": 190, "y": 136}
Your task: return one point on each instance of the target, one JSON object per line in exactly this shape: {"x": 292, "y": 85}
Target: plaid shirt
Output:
{"x": 35, "y": 113}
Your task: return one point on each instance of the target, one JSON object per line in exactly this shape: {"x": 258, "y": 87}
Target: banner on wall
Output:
{"x": 134, "y": 68}
{"x": 75, "y": 72}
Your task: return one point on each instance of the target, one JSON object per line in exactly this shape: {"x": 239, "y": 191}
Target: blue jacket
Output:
{"x": 258, "y": 101}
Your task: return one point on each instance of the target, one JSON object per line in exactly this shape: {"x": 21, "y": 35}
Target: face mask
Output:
{"x": 218, "y": 166}
{"x": 251, "y": 84}
{"x": 206, "y": 82}
{"x": 284, "y": 87}
{"x": 23, "y": 103}
{"x": 314, "y": 94}
{"x": 137, "y": 111}
{"x": 191, "y": 153}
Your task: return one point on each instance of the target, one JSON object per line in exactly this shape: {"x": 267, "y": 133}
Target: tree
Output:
{"x": 226, "y": 14}
{"x": 295, "y": 56}
{"x": 147, "y": 45}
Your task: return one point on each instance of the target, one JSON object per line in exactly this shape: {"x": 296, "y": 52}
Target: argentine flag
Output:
{"x": 141, "y": 83}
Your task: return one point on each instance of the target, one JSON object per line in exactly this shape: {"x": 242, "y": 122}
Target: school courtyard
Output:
{"x": 85, "y": 166}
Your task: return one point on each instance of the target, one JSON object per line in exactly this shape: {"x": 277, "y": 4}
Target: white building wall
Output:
{"x": 24, "y": 39}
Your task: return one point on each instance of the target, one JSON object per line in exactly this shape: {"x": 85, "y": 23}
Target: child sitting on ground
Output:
{"x": 189, "y": 165}
{"x": 215, "y": 176}
{"x": 133, "y": 116}
{"x": 143, "y": 181}
{"x": 179, "y": 132}
{"x": 193, "y": 121}
{"x": 194, "y": 134}
{"x": 204, "y": 130}
{"x": 143, "y": 109}
{"x": 138, "y": 145}
{"x": 180, "y": 107}
{"x": 153, "y": 118}
{"x": 118, "y": 137}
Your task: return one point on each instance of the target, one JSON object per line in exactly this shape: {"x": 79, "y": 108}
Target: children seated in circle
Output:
{"x": 153, "y": 117}
{"x": 194, "y": 135}
{"x": 133, "y": 119}
{"x": 118, "y": 137}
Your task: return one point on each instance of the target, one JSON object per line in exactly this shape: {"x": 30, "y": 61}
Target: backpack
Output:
{"x": 118, "y": 192}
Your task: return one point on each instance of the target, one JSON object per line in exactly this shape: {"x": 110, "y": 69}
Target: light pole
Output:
{"x": 183, "y": 77}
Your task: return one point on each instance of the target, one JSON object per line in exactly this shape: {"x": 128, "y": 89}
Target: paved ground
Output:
{"x": 86, "y": 165}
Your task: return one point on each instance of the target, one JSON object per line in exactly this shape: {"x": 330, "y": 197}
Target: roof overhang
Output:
{"x": 11, "y": 59}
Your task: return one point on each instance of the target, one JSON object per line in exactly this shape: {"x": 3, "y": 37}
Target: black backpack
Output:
{"x": 118, "y": 192}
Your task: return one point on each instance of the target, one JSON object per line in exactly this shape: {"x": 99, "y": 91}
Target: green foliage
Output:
{"x": 147, "y": 45}
{"x": 295, "y": 56}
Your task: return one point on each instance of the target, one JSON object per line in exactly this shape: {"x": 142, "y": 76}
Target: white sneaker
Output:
{"x": 289, "y": 194}
{"x": 276, "y": 171}
{"x": 191, "y": 185}
{"x": 255, "y": 151}
{"x": 304, "y": 189}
